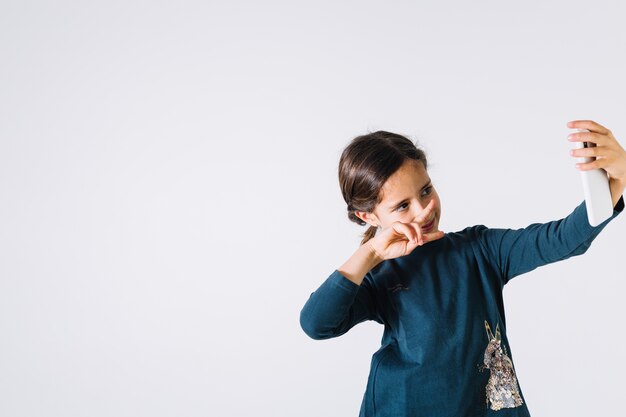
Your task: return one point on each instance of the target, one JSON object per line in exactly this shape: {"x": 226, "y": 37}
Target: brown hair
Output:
{"x": 365, "y": 164}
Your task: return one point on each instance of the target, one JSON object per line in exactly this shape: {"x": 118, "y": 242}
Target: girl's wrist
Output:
{"x": 617, "y": 187}
{"x": 360, "y": 263}
{"x": 377, "y": 258}
{"x": 618, "y": 182}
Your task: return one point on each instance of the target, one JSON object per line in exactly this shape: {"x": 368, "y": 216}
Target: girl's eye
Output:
{"x": 426, "y": 191}
{"x": 402, "y": 205}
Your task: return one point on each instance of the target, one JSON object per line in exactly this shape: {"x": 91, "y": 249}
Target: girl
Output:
{"x": 444, "y": 350}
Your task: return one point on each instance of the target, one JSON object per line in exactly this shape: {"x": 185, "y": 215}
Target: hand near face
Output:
{"x": 400, "y": 239}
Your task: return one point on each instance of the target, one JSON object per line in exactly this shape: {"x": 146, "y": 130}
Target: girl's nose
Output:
{"x": 418, "y": 209}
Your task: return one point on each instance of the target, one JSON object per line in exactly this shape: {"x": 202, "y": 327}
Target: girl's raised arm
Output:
{"x": 516, "y": 251}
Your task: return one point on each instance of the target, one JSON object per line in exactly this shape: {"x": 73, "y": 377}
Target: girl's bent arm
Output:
{"x": 359, "y": 264}
{"x": 346, "y": 298}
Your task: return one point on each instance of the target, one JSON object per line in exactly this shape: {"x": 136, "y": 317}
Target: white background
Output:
{"x": 169, "y": 195}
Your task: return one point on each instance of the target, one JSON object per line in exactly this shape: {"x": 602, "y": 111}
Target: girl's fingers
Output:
{"x": 609, "y": 154}
{"x": 408, "y": 230}
{"x": 416, "y": 225}
{"x": 597, "y": 138}
{"x": 598, "y": 163}
{"x": 426, "y": 212}
{"x": 594, "y": 151}
{"x": 416, "y": 235}
{"x": 425, "y": 237}
{"x": 419, "y": 239}
{"x": 430, "y": 236}
{"x": 413, "y": 232}
{"x": 588, "y": 124}
{"x": 434, "y": 235}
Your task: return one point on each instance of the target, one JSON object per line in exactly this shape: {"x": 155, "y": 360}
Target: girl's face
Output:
{"x": 405, "y": 195}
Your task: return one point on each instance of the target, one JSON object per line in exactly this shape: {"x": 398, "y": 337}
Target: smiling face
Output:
{"x": 405, "y": 195}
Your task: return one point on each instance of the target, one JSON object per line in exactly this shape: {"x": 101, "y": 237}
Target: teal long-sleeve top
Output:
{"x": 444, "y": 350}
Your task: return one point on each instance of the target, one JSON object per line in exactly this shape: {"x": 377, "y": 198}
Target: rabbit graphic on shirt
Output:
{"x": 502, "y": 390}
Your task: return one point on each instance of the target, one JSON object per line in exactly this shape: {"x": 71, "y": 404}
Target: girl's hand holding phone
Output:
{"x": 400, "y": 239}
{"x": 608, "y": 153}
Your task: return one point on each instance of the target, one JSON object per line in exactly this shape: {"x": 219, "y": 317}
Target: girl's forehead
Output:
{"x": 410, "y": 177}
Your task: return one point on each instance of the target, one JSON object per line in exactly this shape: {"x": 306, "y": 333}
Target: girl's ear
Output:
{"x": 360, "y": 215}
{"x": 367, "y": 217}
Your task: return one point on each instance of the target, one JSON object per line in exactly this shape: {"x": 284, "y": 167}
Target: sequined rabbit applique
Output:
{"x": 502, "y": 389}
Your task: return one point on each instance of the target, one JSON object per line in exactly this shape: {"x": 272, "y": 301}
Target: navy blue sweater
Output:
{"x": 444, "y": 351}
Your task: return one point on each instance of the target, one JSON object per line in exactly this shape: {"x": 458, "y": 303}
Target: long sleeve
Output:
{"x": 337, "y": 306}
{"x": 518, "y": 251}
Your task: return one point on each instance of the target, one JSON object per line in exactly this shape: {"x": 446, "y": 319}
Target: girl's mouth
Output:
{"x": 428, "y": 226}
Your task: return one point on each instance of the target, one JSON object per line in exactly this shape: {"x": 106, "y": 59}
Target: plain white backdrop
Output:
{"x": 169, "y": 195}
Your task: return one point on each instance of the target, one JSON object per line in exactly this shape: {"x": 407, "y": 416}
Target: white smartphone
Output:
{"x": 596, "y": 188}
